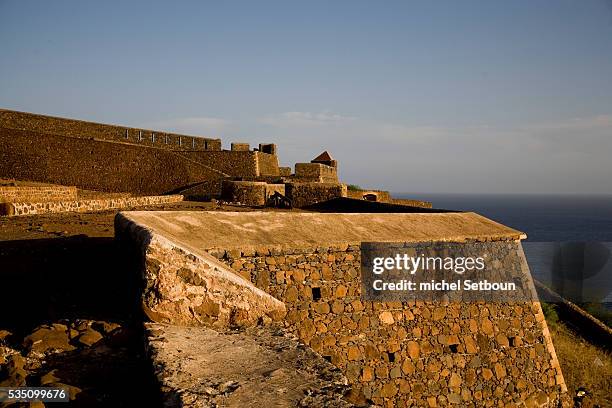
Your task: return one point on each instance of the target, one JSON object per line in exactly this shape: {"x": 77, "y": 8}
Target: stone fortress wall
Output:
{"x": 91, "y": 205}
{"x": 400, "y": 354}
{"x": 370, "y": 195}
{"x": 238, "y": 163}
{"x": 393, "y": 353}
{"x": 20, "y": 194}
{"x": 96, "y": 165}
{"x": 316, "y": 172}
{"x": 113, "y": 158}
{"x": 122, "y": 159}
{"x": 308, "y": 193}
{"x": 91, "y": 130}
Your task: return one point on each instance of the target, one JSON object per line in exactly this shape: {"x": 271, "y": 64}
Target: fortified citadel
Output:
{"x": 289, "y": 278}
{"x": 143, "y": 162}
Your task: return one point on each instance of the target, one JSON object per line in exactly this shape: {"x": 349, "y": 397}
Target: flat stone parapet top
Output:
{"x": 202, "y": 231}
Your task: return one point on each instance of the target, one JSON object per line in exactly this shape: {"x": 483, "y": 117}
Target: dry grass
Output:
{"x": 583, "y": 364}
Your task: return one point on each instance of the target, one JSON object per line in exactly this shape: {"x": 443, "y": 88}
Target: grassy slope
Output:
{"x": 583, "y": 364}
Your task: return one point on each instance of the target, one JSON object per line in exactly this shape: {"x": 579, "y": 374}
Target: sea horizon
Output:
{"x": 543, "y": 217}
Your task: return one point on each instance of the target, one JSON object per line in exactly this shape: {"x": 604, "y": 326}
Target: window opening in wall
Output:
{"x": 193, "y": 143}
{"x": 453, "y": 348}
{"x": 180, "y": 141}
{"x": 166, "y": 139}
{"x": 316, "y": 293}
{"x": 140, "y": 135}
{"x": 153, "y": 137}
{"x": 391, "y": 357}
{"x": 127, "y": 133}
{"x": 328, "y": 358}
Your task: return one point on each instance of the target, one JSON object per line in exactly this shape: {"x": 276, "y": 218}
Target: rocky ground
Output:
{"x": 99, "y": 362}
{"x": 70, "y": 314}
{"x": 199, "y": 367}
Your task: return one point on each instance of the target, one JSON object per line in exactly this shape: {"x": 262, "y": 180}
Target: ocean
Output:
{"x": 543, "y": 218}
{"x": 569, "y": 237}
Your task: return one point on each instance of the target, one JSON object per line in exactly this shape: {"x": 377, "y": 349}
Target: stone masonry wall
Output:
{"x": 32, "y": 208}
{"x": 411, "y": 203}
{"x": 232, "y": 163}
{"x": 316, "y": 172}
{"x": 381, "y": 196}
{"x": 267, "y": 164}
{"x": 91, "y": 130}
{"x": 96, "y": 165}
{"x": 33, "y": 194}
{"x": 185, "y": 289}
{"x": 304, "y": 194}
{"x": 251, "y": 193}
{"x": 412, "y": 353}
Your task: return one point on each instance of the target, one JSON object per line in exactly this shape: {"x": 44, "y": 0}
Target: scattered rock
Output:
{"x": 4, "y": 336}
{"x": 72, "y": 390}
{"x": 228, "y": 386}
{"x": 53, "y": 338}
{"x": 16, "y": 374}
{"x": 105, "y": 327}
{"x": 90, "y": 337}
{"x": 49, "y": 378}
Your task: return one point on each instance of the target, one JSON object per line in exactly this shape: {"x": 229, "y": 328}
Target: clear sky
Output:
{"x": 416, "y": 96}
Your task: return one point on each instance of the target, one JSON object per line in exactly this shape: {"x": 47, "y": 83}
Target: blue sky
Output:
{"x": 442, "y": 96}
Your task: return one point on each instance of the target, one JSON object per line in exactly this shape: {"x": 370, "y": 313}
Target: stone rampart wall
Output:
{"x": 90, "y": 130}
{"x": 35, "y": 194}
{"x": 232, "y": 163}
{"x": 316, "y": 172}
{"x": 411, "y": 203}
{"x": 304, "y": 194}
{"x": 381, "y": 196}
{"x": 192, "y": 290}
{"x": 204, "y": 191}
{"x": 15, "y": 209}
{"x": 412, "y": 353}
{"x": 267, "y": 164}
{"x": 96, "y": 165}
{"x": 251, "y": 193}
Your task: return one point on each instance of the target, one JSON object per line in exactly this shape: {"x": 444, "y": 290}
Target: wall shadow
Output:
{"x": 352, "y": 205}
{"x": 46, "y": 280}
{"x": 49, "y": 280}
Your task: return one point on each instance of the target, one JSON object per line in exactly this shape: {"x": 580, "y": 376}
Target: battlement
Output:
{"x": 10, "y": 119}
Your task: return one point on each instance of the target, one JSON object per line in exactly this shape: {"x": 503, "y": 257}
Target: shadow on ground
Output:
{"x": 66, "y": 281}
{"x": 351, "y": 205}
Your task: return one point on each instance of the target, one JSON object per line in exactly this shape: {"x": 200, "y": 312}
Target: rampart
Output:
{"x": 370, "y": 195}
{"x": 411, "y": 203}
{"x": 316, "y": 172}
{"x": 267, "y": 164}
{"x": 252, "y": 193}
{"x": 90, "y": 130}
{"x": 100, "y": 204}
{"x": 304, "y": 194}
{"x": 394, "y": 354}
{"x": 96, "y": 165}
{"x": 38, "y": 193}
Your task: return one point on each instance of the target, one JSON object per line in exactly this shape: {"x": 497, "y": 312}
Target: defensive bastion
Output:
{"x": 112, "y": 158}
{"x": 302, "y": 271}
